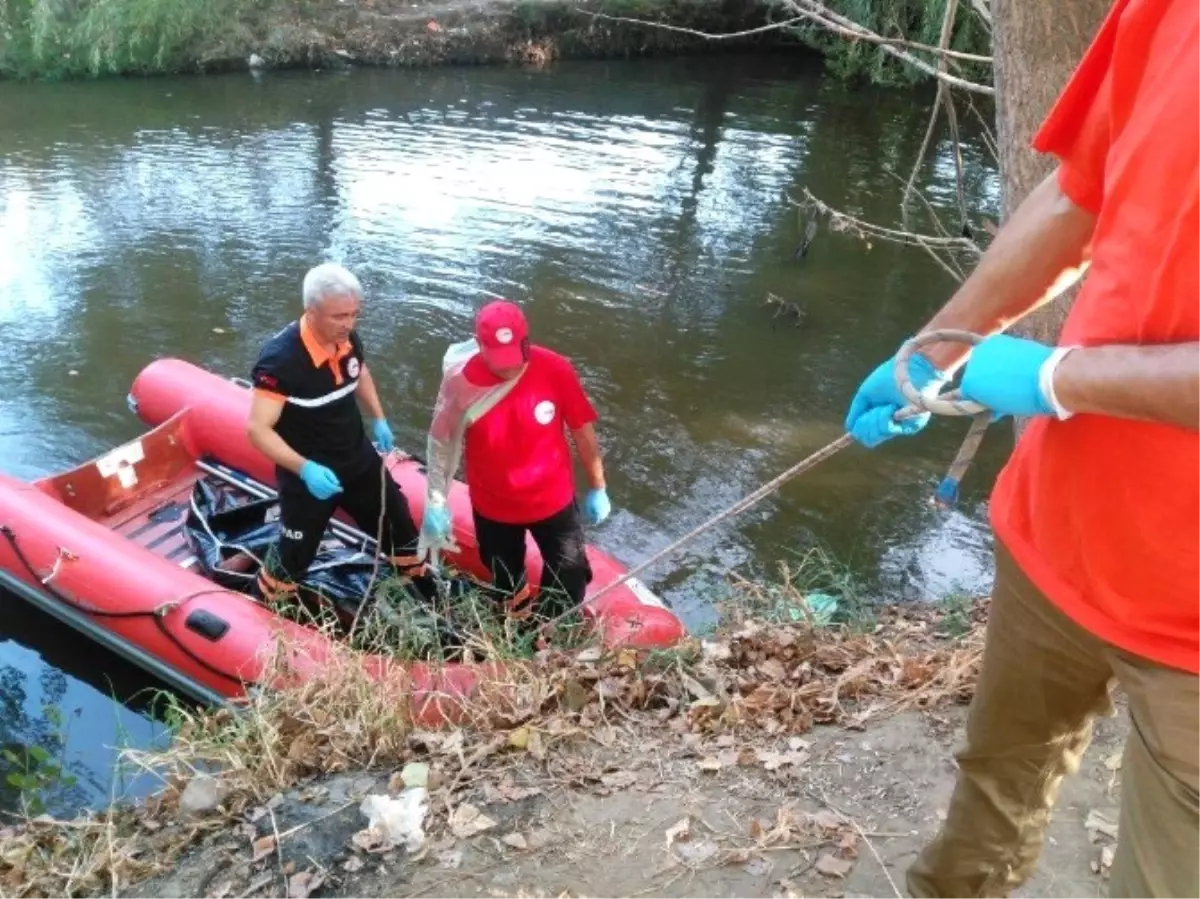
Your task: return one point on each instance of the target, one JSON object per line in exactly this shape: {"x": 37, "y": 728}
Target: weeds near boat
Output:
{"x": 741, "y": 697}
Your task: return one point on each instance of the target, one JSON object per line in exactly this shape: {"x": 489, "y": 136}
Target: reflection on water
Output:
{"x": 640, "y": 211}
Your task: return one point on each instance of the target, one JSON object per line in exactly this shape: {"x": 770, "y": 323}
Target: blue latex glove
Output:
{"x": 1002, "y": 374}
{"x": 869, "y": 420}
{"x": 436, "y": 522}
{"x": 596, "y": 506}
{"x": 320, "y": 481}
{"x": 382, "y": 437}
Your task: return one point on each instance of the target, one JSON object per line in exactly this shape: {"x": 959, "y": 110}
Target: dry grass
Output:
{"x": 762, "y": 681}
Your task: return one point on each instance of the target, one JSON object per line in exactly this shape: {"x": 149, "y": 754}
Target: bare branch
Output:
{"x": 773, "y": 26}
{"x": 841, "y": 221}
{"x": 989, "y": 136}
{"x": 850, "y": 29}
{"x": 934, "y": 218}
{"x": 943, "y": 43}
{"x": 984, "y": 11}
{"x": 921, "y": 153}
{"x": 952, "y": 114}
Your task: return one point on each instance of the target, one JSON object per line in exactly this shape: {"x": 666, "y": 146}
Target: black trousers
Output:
{"x": 565, "y": 572}
{"x": 303, "y": 519}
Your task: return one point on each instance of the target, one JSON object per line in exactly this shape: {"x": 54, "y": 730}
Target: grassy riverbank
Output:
{"x": 268, "y": 801}
{"x": 88, "y": 38}
{"x": 772, "y": 756}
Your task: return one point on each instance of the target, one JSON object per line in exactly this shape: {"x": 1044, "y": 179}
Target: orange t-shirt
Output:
{"x": 1101, "y": 512}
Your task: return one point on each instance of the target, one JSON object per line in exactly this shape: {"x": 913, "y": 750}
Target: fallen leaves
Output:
{"x": 303, "y": 884}
{"x": 467, "y": 821}
{"x": 832, "y": 866}
{"x": 262, "y": 847}
{"x": 1101, "y": 828}
{"x": 681, "y": 830}
{"x": 515, "y": 841}
{"x": 1098, "y": 825}
{"x": 721, "y": 695}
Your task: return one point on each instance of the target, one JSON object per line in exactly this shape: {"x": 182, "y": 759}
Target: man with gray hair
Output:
{"x": 310, "y": 382}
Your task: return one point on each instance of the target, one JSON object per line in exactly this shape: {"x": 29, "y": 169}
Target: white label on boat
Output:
{"x": 120, "y": 462}
{"x": 644, "y": 594}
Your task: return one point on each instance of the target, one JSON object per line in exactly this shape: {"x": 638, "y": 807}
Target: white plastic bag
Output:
{"x": 399, "y": 821}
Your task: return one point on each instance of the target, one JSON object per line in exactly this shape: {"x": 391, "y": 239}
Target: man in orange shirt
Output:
{"x": 1096, "y": 513}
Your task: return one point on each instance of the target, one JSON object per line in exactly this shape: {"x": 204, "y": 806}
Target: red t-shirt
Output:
{"x": 518, "y": 463}
{"x": 1101, "y": 512}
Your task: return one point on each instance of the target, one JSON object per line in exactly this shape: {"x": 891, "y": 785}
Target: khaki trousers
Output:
{"x": 1043, "y": 681}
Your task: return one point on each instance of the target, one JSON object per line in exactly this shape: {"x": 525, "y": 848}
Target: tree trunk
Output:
{"x": 1036, "y": 47}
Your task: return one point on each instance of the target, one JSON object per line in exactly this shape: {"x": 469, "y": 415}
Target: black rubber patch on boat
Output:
{"x": 207, "y": 625}
{"x": 172, "y": 511}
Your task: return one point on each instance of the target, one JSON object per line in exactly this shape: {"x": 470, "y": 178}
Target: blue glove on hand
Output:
{"x": 869, "y": 420}
{"x": 436, "y": 522}
{"x": 1003, "y": 373}
{"x": 596, "y": 506}
{"x": 320, "y": 481}
{"x": 382, "y": 435}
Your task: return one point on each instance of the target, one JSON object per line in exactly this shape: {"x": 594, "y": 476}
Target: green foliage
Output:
{"x": 957, "y": 618}
{"x": 71, "y": 38}
{"x": 914, "y": 20}
{"x": 87, "y": 38}
{"x": 34, "y": 772}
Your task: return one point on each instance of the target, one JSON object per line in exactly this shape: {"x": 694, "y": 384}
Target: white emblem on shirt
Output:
{"x": 544, "y": 412}
{"x": 352, "y": 367}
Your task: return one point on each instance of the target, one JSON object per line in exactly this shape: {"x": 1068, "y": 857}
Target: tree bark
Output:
{"x": 1036, "y": 46}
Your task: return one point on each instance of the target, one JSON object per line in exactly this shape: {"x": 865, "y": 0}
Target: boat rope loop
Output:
{"x": 157, "y": 614}
{"x": 951, "y": 403}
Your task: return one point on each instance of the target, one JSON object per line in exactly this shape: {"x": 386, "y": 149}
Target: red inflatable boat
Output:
{"x": 102, "y": 547}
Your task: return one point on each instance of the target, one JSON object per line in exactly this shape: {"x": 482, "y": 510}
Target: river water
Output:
{"x": 639, "y": 210}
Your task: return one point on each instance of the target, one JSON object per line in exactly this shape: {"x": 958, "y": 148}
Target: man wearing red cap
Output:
{"x": 510, "y": 405}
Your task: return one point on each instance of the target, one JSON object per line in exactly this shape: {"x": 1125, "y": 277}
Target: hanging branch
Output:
{"x": 724, "y": 36}
{"x": 943, "y": 42}
{"x": 938, "y": 247}
{"x": 848, "y": 28}
{"x": 985, "y": 12}
{"x": 841, "y": 221}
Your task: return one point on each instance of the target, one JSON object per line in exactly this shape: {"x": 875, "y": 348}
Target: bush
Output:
{"x": 70, "y": 38}
{"x": 914, "y": 20}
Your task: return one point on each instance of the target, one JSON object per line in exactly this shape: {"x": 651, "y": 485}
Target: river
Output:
{"x": 638, "y": 209}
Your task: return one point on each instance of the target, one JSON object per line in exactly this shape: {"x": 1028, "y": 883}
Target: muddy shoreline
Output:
{"x": 485, "y": 32}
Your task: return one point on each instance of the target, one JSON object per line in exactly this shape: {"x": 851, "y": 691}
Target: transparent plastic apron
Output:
{"x": 459, "y": 405}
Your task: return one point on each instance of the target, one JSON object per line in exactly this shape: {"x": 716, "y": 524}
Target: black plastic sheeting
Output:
{"x": 223, "y": 523}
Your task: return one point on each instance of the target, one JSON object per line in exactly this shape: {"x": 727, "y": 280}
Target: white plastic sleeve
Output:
{"x": 1046, "y": 381}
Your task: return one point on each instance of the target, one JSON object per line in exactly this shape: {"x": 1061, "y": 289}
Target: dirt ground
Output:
{"x": 842, "y": 813}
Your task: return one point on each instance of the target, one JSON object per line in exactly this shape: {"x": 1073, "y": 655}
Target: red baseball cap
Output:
{"x": 502, "y": 332}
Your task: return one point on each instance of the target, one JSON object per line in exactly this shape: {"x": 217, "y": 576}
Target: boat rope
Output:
{"x": 951, "y": 403}
{"x": 157, "y": 614}
{"x": 383, "y": 476}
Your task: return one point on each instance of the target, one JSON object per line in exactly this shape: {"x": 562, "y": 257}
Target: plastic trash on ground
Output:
{"x": 399, "y": 820}
{"x": 819, "y": 608}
